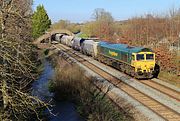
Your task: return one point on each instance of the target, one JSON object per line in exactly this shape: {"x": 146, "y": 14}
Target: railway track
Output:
{"x": 162, "y": 88}
{"x": 160, "y": 109}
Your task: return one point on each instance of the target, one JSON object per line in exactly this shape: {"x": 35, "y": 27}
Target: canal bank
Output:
{"x": 64, "y": 110}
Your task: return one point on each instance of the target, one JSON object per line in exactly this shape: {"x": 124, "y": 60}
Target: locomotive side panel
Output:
{"x": 111, "y": 51}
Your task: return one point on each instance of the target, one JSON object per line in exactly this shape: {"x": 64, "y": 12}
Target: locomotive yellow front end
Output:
{"x": 143, "y": 63}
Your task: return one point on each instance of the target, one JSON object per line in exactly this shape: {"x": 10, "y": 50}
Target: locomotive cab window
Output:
{"x": 149, "y": 56}
{"x": 140, "y": 57}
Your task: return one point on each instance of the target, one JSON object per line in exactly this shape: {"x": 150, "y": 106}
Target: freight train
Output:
{"x": 138, "y": 62}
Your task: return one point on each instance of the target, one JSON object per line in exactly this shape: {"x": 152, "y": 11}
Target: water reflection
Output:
{"x": 65, "y": 110}
{"x": 40, "y": 86}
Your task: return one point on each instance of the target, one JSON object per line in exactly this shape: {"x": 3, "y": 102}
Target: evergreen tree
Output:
{"x": 40, "y": 21}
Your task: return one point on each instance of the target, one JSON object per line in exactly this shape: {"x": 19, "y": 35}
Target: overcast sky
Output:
{"x": 82, "y": 10}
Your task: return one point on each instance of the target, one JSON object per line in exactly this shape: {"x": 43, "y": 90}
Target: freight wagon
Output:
{"x": 77, "y": 43}
{"x": 89, "y": 47}
{"x": 67, "y": 40}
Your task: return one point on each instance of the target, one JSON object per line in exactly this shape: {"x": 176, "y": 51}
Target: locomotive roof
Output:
{"x": 124, "y": 47}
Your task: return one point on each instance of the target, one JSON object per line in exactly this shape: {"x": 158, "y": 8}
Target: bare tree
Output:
{"x": 104, "y": 24}
{"x": 17, "y": 61}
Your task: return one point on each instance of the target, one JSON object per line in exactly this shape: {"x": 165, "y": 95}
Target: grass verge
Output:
{"x": 170, "y": 78}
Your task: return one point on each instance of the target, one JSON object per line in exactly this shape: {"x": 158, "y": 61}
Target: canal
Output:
{"x": 64, "y": 111}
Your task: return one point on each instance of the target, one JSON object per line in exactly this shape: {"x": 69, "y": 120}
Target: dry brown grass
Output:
{"x": 170, "y": 78}
{"x": 71, "y": 84}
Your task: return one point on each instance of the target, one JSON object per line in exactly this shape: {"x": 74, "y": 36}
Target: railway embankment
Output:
{"x": 70, "y": 83}
{"x": 119, "y": 97}
{"x": 160, "y": 103}
{"x": 170, "y": 78}
{"x": 172, "y": 102}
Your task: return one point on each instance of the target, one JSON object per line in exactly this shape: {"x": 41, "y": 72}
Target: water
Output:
{"x": 40, "y": 86}
{"x": 65, "y": 111}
